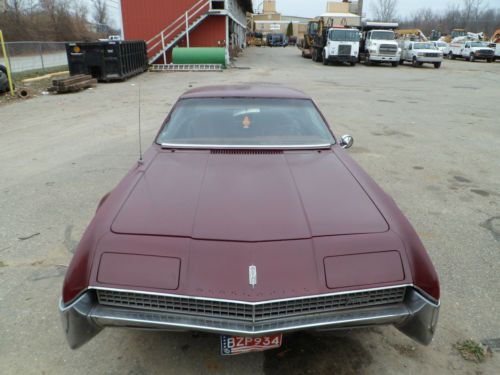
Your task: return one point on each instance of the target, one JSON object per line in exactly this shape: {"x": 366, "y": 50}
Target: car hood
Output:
{"x": 249, "y": 197}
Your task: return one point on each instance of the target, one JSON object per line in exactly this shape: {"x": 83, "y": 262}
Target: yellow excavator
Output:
{"x": 455, "y": 33}
{"x": 411, "y": 34}
{"x": 496, "y": 37}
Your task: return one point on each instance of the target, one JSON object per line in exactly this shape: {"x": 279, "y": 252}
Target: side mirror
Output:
{"x": 346, "y": 141}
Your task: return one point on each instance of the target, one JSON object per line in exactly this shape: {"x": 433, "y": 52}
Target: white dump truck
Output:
{"x": 419, "y": 53}
{"x": 470, "y": 50}
{"x": 378, "y": 43}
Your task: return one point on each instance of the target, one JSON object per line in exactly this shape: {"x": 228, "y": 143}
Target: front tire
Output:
{"x": 353, "y": 63}
{"x": 323, "y": 57}
{"x": 394, "y": 64}
{"x": 319, "y": 55}
{"x": 437, "y": 65}
{"x": 490, "y": 60}
{"x": 472, "y": 58}
{"x": 414, "y": 62}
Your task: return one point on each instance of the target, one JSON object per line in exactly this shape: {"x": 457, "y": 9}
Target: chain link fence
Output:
{"x": 35, "y": 56}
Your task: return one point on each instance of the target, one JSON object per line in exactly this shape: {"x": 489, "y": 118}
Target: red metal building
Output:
{"x": 164, "y": 24}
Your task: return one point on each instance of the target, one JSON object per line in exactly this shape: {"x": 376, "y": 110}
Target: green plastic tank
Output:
{"x": 199, "y": 55}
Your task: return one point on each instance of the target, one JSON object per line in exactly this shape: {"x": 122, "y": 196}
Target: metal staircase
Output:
{"x": 158, "y": 45}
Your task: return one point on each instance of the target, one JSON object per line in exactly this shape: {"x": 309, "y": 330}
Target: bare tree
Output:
{"x": 385, "y": 10}
{"x": 472, "y": 10}
{"x": 100, "y": 13}
{"x": 472, "y": 15}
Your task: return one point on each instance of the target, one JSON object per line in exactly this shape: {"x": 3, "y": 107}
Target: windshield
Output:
{"x": 245, "y": 122}
{"x": 344, "y": 35}
{"x": 478, "y": 44}
{"x": 424, "y": 46}
{"x": 383, "y": 35}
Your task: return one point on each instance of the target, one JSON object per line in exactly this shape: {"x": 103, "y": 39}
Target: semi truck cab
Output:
{"x": 342, "y": 46}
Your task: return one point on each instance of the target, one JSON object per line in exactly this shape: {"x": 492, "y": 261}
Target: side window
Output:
{"x": 467, "y": 45}
{"x": 411, "y": 46}
{"x": 369, "y": 35}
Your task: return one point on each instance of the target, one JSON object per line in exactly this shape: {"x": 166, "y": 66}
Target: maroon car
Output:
{"x": 246, "y": 218}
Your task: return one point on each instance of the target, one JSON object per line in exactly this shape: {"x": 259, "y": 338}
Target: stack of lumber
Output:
{"x": 72, "y": 84}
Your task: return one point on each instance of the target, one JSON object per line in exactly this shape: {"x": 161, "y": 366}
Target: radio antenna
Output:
{"x": 140, "y": 161}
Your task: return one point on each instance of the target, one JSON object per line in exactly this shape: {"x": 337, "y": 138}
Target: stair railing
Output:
{"x": 178, "y": 26}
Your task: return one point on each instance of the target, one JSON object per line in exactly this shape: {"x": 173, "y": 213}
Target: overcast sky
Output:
{"x": 313, "y": 8}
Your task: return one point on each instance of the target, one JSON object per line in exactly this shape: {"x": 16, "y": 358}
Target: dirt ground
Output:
{"x": 430, "y": 138}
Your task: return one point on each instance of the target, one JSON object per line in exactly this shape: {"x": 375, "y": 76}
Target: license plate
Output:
{"x": 232, "y": 345}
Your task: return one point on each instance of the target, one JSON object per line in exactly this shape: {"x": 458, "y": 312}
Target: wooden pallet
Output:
{"x": 72, "y": 84}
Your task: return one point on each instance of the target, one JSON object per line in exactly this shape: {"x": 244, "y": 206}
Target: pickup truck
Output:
{"x": 496, "y": 47}
{"x": 419, "y": 53}
{"x": 471, "y": 51}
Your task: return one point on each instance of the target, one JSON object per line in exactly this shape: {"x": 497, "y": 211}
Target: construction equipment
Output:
{"x": 254, "y": 39}
{"x": 455, "y": 33}
{"x": 495, "y": 43}
{"x": 306, "y": 43}
{"x": 496, "y": 37}
{"x": 415, "y": 35}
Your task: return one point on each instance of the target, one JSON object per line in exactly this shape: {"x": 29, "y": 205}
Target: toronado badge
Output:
{"x": 252, "y": 275}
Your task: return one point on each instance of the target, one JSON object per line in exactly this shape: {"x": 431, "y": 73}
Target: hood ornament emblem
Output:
{"x": 252, "y": 275}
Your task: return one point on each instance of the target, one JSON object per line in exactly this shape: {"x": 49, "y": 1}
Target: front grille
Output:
{"x": 345, "y": 49}
{"x": 247, "y": 311}
{"x": 485, "y": 52}
{"x": 388, "y": 49}
{"x": 431, "y": 54}
{"x": 245, "y": 152}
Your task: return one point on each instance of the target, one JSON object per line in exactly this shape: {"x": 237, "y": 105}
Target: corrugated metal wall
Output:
{"x": 145, "y": 19}
{"x": 211, "y": 33}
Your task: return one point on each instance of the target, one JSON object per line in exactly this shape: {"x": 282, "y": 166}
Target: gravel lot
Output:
{"x": 430, "y": 137}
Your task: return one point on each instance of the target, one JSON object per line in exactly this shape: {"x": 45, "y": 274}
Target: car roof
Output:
{"x": 245, "y": 91}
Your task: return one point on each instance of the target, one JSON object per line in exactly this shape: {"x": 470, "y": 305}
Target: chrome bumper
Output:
{"x": 416, "y": 317}
{"x": 429, "y": 60}
{"x": 385, "y": 58}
